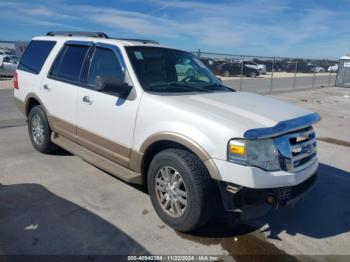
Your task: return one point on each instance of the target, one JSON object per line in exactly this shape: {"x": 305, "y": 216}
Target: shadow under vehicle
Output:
{"x": 36, "y": 222}
{"x": 323, "y": 213}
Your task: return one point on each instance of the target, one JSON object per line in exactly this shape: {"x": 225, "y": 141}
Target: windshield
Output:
{"x": 168, "y": 70}
{"x": 15, "y": 59}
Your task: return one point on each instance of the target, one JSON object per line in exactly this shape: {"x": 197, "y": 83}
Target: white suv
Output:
{"x": 199, "y": 146}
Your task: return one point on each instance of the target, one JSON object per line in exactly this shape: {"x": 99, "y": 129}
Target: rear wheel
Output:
{"x": 40, "y": 131}
{"x": 180, "y": 189}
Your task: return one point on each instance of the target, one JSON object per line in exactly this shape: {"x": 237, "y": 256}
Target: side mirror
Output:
{"x": 219, "y": 78}
{"x": 113, "y": 85}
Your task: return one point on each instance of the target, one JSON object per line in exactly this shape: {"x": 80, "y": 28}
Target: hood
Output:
{"x": 252, "y": 66}
{"x": 240, "y": 109}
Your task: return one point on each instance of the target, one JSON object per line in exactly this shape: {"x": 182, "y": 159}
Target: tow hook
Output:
{"x": 233, "y": 188}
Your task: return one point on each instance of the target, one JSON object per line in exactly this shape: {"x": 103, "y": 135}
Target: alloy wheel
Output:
{"x": 171, "y": 191}
{"x": 37, "y": 129}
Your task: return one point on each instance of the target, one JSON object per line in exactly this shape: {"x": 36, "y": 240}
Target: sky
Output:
{"x": 286, "y": 28}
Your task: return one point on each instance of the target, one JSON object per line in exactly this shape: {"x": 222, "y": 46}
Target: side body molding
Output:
{"x": 131, "y": 159}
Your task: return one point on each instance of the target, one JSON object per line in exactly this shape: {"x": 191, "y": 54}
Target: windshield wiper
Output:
{"x": 219, "y": 85}
{"x": 179, "y": 84}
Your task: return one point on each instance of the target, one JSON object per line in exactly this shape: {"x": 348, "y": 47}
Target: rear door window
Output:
{"x": 69, "y": 62}
{"x": 35, "y": 56}
{"x": 104, "y": 64}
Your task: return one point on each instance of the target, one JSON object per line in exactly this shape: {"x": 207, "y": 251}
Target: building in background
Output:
{"x": 13, "y": 47}
{"x": 343, "y": 76}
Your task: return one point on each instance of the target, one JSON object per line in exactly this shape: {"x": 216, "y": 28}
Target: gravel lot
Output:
{"x": 59, "y": 204}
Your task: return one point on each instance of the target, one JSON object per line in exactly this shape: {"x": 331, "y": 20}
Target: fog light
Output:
{"x": 270, "y": 199}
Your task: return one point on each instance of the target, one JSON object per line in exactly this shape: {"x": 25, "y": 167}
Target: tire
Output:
{"x": 252, "y": 74}
{"x": 226, "y": 73}
{"x": 38, "y": 124}
{"x": 196, "y": 182}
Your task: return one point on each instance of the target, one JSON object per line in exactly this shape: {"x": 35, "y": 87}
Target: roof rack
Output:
{"x": 77, "y": 33}
{"x": 99, "y": 35}
{"x": 145, "y": 41}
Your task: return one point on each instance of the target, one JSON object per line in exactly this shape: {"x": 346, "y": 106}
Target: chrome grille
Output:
{"x": 284, "y": 193}
{"x": 297, "y": 149}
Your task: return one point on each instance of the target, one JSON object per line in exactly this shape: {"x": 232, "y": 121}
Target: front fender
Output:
{"x": 192, "y": 143}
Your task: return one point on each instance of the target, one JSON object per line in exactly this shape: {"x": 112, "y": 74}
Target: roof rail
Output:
{"x": 99, "y": 35}
{"x": 145, "y": 41}
{"x": 77, "y": 33}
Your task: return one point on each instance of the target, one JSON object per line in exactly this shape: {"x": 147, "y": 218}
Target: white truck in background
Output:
{"x": 8, "y": 65}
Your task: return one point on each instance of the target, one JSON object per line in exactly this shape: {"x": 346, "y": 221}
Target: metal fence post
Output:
{"x": 313, "y": 78}
{"x": 295, "y": 74}
{"x": 272, "y": 69}
{"x": 241, "y": 79}
{"x": 329, "y": 78}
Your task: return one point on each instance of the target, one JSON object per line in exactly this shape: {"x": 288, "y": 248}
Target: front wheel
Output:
{"x": 252, "y": 74}
{"x": 226, "y": 73}
{"x": 40, "y": 131}
{"x": 180, "y": 189}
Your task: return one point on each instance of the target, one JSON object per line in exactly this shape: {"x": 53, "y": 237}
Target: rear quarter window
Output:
{"x": 35, "y": 56}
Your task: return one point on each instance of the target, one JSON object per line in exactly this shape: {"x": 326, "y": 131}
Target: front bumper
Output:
{"x": 255, "y": 201}
{"x": 288, "y": 196}
{"x": 253, "y": 177}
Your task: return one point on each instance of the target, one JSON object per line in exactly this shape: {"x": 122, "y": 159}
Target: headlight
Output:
{"x": 259, "y": 153}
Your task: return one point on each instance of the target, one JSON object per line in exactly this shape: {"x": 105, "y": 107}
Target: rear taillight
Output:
{"x": 15, "y": 80}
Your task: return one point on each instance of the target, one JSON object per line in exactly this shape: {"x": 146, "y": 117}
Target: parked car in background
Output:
{"x": 319, "y": 69}
{"x": 302, "y": 67}
{"x": 251, "y": 64}
{"x": 8, "y": 65}
{"x": 7, "y": 52}
{"x": 250, "y": 69}
{"x": 212, "y": 64}
{"x": 262, "y": 69}
{"x": 184, "y": 67}
{"x": 218, "y": 63}
{"x": 278, "y": 66}
{"x": 305, "y": 68}
{"x": 333, "y": 68}
{"x": 310, "y": 68}
{"x": 209, "y": 62}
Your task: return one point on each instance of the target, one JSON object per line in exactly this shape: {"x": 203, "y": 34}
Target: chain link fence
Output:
{"x": 264, "y": 75}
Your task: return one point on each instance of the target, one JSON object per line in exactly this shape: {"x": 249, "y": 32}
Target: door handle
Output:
{"x": 87, "y": 100}
{"x": 46, "y": 87}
